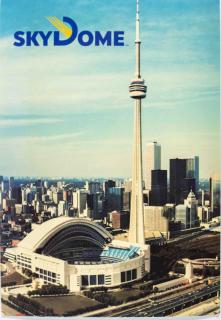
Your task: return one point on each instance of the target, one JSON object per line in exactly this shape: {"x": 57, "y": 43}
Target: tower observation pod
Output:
{"x": 137, "y": 90}
{"x": 137, "y": 87}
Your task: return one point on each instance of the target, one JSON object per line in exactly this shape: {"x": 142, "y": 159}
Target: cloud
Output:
{"x": 28, "y": 122}
{"x": 29, "y": 140}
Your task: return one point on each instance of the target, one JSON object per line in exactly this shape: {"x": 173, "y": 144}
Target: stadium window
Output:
{"x": 84, "y": 280}
{"x": 41, "y": 270}
{"x": 134, "y": 274}
{"x": 101, "y": 279}
{"x": 37, "y": 269}
{"x": 129, "y": 275}
{"x": 49, "y": 273}
{"x": 123, "y": 278}
{"x": 45, "y": 271}
{"x": 53, "y": 275}
{"x": 93, "y": 280}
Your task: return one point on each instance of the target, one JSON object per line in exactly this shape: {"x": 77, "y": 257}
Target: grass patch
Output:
{"x": 61, "y": 305}
{"x": 123, "y": 295}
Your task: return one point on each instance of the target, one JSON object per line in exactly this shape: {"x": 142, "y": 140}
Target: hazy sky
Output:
{"x": 66, "y": 111}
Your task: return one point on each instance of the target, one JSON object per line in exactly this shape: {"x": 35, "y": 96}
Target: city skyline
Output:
{"x": 62, "y": 133}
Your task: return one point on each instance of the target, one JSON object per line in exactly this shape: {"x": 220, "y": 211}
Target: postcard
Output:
{"x": 109, "y": 158}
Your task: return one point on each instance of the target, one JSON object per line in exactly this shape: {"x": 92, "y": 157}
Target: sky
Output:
{"x": 66, "y": 111}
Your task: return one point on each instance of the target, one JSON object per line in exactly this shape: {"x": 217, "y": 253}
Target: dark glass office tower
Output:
{"x": 158, "y": 194}
{"x": 189, "y": 184}
{"x": 177, "y": 176}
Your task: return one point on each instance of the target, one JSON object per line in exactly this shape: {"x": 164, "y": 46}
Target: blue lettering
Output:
{"x": 45, "y": 37}
{"x": 74, "y": 27}
{"x": 31, "y": 37}
{"x": 99, "y": 39}
{"x": 119, "y": 38}
{"x": 85, "y": 38}
{"x": 19, "y": 37}
{"x": 85, "y": 42}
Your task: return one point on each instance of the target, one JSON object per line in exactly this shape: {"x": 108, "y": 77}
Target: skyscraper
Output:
{"x": 214, "y": 189}
{"x": 184, "y": 176}
{"x": 177, "y": 176}
{"x": 158, "y": 194}
{"x": 137, "y": 91}
{"x": 11, "y": 182}
{"x": 153, "y": 161}
{"x": 192, "y": 170}
{"x": 187, "y": 212}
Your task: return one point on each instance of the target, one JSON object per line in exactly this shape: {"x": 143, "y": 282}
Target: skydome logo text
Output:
{"x": 69, "y": 29}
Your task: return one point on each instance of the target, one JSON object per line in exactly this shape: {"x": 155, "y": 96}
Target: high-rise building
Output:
{"x": 187, "y": 185}
{"x": 158, "y": 194}
{"x": 184, "y": 176}
{"x": 11, "y": 182}
{"x": 46, "y": 184}
{"x": 115, "y": 199}
{"x": 62, "y": 208}
{"x": 177, "y": 176}
{"x": 57, "y": 196}
{"x": 92, "y": 186}
{"x": 187, "y": 213}
{"x": 156, "y": 220}
{"x": 108, "y": 184}
{"x": 94, "y": 206}
{"x": 126, "y": 201}
{"x": 67, "y": 196}
{"x": 1, "y": 183}
{"x": 214, "y": 185}
{"x": 153, "y": 161}
{"x": 137, "y": 91}
{"x": 80, "y": 200}
{"x": 120, "y": 220}
{"x": 38, "y": 183}
{"x": 2, "y": 186}
{"x": 16, "y": 193}
{"x": 192, "y": 170}
{"x": 128, "y": 185}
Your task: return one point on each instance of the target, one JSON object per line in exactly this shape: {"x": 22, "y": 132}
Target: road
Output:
{"x": 188, "y": 236}
{"x": 208, "y": 307}
{"x": 166, "y": 307}
{"x": 6, "y": 311}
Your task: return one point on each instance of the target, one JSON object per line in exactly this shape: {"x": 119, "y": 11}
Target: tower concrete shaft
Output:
{"x": 137, "y": 91}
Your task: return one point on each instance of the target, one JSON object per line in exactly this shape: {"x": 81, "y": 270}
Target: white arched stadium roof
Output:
{"x": 43, "y": 233}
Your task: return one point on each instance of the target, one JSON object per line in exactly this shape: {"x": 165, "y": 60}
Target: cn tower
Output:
{"x": 137, "y": 91}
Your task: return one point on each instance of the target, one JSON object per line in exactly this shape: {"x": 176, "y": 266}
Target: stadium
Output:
{"x": 79, "y": 253}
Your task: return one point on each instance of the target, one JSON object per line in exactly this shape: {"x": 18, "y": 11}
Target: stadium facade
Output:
{"x": 79, "y": 253}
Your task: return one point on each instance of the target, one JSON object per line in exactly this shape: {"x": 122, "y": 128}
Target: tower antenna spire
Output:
{"x": 138, "y": 22}
{"x": 138, "y": 41}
